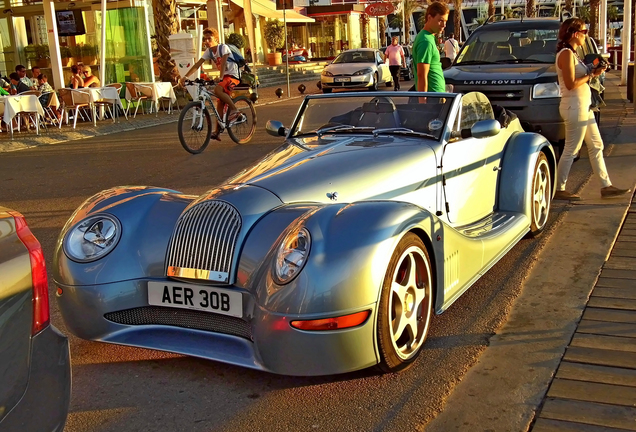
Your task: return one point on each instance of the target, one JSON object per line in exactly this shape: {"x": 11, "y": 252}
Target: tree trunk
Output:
{"x": 457, "y": 22}
{"x": 568, "y": 5}
{"x": 364, "y": 19}
{"x": 594, "y": 10}
{"x": 166, "y": 24}
{"x": 530, "y": 8}
{"x": 382, "y": 27}
{"x": 491, "y": 8}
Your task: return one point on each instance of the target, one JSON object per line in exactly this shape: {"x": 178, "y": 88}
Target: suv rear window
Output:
{"x": 498, "y": 45}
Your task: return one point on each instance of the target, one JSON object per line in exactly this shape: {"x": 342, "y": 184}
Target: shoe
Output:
{"x": 611, "y": 191}
{"x": 240, "y": 118}
{"x": 215, "y": 136}
{"x": 566, "y": 196}
{"x": 233, "y": 116}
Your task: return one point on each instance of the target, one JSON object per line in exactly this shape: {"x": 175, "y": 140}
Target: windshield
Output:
{"x": 399, "y": 115}
{"x": 505, "y": 46}
{"x": 356, "y": 57}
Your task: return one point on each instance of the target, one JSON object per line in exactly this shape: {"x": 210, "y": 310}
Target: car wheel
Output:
{"x": 410, "y": 74}
{"x": 541, "y": 195}
{"x": 389, "y": 83}
{"x": 326, "y": 90}
{"x": 406, "y": 305}
{"x": 374, "y": 87}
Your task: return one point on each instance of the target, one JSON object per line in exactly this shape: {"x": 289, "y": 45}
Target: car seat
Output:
{"x": 379, "y": 113}
{"x": 502, "y": 51}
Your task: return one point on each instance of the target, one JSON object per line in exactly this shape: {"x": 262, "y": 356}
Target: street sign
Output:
{"x": 379, "y": 9}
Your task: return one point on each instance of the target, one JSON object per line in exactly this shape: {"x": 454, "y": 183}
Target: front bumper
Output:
{"x": 359, "y": 81}
{"x": 49, "y": 391}
{"x": 260, "y": 340}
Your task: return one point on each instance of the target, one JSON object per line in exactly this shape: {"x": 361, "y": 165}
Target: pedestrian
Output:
{"x": 397, "y": 60}
{"x": 575, "y": 109}
{"x": 451, "y": 47}
{"x": 428, "y": 67}
{"x": 229, "y": 75}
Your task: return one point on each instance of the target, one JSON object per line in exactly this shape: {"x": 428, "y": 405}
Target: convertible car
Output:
{"x": 328, "y": 255}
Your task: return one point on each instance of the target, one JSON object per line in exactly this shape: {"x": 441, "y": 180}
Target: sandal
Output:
{"x": 215, "y": 136}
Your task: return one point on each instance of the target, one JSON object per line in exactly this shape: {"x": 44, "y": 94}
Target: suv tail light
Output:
{"x": 41, "y": 314}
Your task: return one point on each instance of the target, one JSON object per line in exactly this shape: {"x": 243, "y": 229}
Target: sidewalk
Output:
{"x": 53, "y": 135}
{"x": 565, "y": 360}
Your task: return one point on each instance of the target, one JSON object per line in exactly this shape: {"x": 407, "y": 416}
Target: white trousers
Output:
{"x": 580, "y": 124}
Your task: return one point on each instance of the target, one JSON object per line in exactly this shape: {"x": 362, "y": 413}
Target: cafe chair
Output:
{"x": 112, "y": 105}
{"x": 68, "y": 104}
{"x": 134, "y": 96}
{"x": 30, "y": 117}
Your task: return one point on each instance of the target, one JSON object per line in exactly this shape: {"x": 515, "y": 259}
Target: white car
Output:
{"x": 356, "y": 68}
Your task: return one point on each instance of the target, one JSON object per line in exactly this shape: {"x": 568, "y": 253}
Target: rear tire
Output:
{"x": 241, "y": 133}
{"x": 541, "y": 195}
{"x": 192, "y": 136}
{"x": 406, "y": 305}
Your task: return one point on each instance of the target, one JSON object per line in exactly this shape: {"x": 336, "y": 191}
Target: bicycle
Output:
{"x": 195, "y": 119}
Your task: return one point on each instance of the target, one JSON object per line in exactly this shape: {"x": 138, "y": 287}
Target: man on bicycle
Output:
{"x": 221, "y": 55}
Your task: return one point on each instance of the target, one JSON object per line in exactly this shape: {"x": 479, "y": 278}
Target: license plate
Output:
{"x": 195, "y": 297}
{"x": 347, "y": 79}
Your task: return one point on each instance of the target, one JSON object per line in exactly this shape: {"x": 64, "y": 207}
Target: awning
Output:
{"x": 267, "y": 9}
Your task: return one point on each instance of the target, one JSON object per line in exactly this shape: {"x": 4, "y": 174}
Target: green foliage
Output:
{"x": 274, "y": 34}
{"x": 37, "y": 52}
{"x": 237, "y": 40}
{"x": 396, "y": 22}
{"x": 584, "y": 13}
{"x": 65, "y": 52}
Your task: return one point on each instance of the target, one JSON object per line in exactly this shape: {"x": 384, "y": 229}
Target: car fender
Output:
{"x": 351, "y": 246}
{"x": 517, "y": 168}
{"x": 147, "y": 216}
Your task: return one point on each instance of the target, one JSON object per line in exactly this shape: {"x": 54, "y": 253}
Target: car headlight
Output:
{"x": 92, "y": 238}
{"x": 292, "y": 255}
{"x": 326, "y": 73}
{"x": 547, "y": 90}
{"x": 363, "y": 71}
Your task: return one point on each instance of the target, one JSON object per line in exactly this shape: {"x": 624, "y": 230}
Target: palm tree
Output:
{"x": 568, "y": 6}
{"x": 166, "y": 24}
{"x": 530, "y": 8}
{"x": 491, "y": 7}
{"x": 382, "y": 28}
{"x": 409, "y": 7}
{"x": 457, "y": 22}
{"x": 584, "y": 13}
{"x": 594, "y": 6}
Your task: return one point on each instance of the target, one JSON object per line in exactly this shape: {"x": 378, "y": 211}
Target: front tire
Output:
{"x": 242, "y": 132}
{"x": 374, "y": 87}
{"x": 541, "y": 195}
{"x": 194, "y": 131}
{"x": 406, "y": 305}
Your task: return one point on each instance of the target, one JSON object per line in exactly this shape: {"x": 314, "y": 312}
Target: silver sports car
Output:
{"x": 357, "y": 68}
{"x": 328, "y": 255}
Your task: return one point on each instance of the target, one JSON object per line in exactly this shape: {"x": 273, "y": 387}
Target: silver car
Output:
{"x": 328, "y": 255}
{"x": 35, "y": 366}
{"x": 356, "y": 68}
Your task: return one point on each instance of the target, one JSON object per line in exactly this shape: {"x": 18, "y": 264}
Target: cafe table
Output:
{"x": 91, "y": 95}
{"x": 154, "y": 91}
{"x": 10, "y": 106}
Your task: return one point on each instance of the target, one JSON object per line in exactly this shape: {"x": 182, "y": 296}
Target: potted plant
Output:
{"x": 89, "y": 54}
{"x": 67, "y": 56}
{"x": 237, "y": 40}
{"x": 275, "y": 38}
{"x": 43, "y": 55}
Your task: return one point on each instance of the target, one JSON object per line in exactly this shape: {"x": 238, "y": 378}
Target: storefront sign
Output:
{"x": 379, "y": 9}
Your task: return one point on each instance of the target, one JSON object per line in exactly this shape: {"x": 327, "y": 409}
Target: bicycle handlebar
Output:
{"x": 199, "y": 81}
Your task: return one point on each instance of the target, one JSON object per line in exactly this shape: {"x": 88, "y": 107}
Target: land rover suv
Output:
{"x": 512, "y": 62}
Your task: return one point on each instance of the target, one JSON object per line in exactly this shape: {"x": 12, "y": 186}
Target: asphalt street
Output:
{"x": 119, "y": 389}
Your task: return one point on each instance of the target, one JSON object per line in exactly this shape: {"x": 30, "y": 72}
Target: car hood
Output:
{"x": 348, "y": 68}
{"x": 342, "y": 168}
{"x": 500, "y": 74}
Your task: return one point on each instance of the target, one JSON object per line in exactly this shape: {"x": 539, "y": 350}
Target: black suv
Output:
{"x": 512, "y": 62}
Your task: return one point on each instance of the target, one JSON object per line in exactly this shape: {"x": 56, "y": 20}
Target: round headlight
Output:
{"x": 292, "y": 255}
{"x": 92, "y": 238}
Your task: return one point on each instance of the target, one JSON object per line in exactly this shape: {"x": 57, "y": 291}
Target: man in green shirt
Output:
{"x": 428, "y": 67}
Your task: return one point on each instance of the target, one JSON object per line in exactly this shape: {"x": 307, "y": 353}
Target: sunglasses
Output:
{"x": 584, "y": 31}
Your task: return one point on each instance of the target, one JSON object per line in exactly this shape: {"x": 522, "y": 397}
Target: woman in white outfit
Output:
{"x": 576, "y": 98}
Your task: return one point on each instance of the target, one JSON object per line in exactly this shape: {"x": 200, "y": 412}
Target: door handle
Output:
{"x": 496, "y": 168}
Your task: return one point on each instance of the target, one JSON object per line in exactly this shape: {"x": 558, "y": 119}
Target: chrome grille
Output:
{"x": 204, "y": 240}
{"x": 197, "y": 320}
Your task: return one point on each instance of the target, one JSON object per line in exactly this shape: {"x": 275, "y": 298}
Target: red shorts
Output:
{"x": 228, "y": 83}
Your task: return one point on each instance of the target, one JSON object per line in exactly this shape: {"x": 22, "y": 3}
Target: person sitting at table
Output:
{"x": 76, "y": 79}
{"x": 90, "y": 80}
{"x": 35, "y": 73}
{"x": 21, "y": 71}
{"x": 17, "y": 86}
{"x": 45, "y": 88}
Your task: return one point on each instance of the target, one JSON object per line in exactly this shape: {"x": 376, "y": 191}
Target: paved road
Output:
{"x": 126, "y": 389}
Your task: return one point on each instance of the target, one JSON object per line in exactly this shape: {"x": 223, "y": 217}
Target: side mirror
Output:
{"x": 275, "y": 128}
{"x": 446, "y": 62}
{"x": 485, "y": 129}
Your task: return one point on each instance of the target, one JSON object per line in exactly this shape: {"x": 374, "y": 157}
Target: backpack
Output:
{"x": 236, "y": 56}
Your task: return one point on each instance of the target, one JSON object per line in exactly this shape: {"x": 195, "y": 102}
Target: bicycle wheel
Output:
{"x": 195, "y": 128}
{"x": 242, "y": 131}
